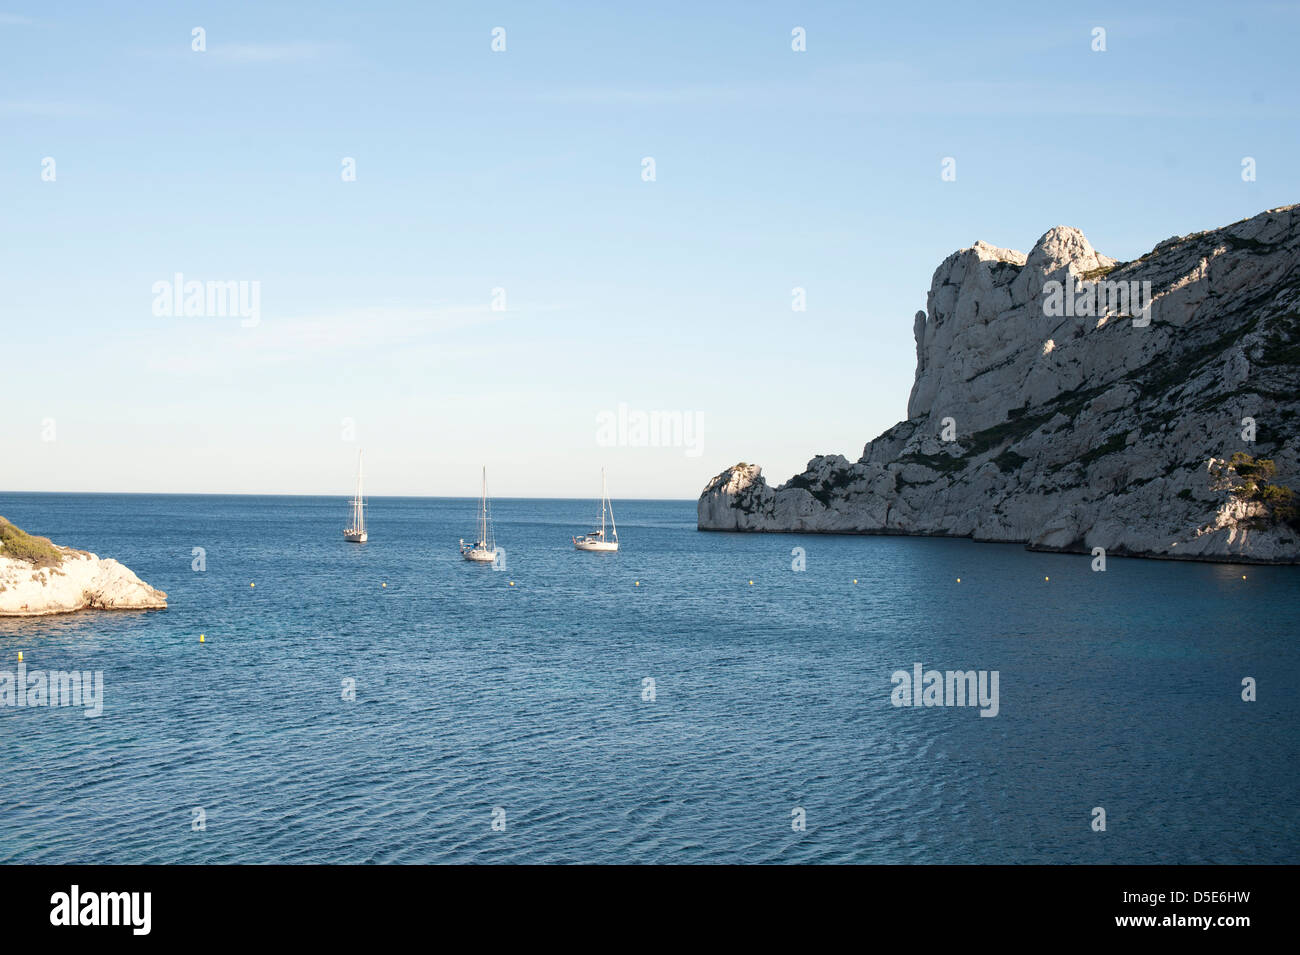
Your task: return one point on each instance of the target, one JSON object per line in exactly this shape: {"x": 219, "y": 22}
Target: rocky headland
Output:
{"x": 38, "y": 577}
{"x": 1068, "y": 401}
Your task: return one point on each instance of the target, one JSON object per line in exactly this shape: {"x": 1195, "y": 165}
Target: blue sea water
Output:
{"x": 522, "y": 690}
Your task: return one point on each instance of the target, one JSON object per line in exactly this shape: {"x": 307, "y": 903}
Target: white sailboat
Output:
{"x": 356, "y": 530}
{"x": 483, "y": 550}
{"x": 596, "y": 540}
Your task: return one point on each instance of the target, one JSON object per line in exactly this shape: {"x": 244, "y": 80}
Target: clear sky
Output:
{"x": 522, "y": 170}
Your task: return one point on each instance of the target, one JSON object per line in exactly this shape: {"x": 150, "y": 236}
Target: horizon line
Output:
{"x": 418, "y": 497}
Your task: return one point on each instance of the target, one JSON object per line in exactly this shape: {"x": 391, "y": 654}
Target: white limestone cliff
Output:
{"x": 1079, "y": 432}
{"x": 81, "y": 581}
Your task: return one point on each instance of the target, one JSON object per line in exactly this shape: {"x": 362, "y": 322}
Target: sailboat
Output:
{"x": 596, "y": 539}
{"x": 483, "y": 550}
{"x": 356, "y": 530}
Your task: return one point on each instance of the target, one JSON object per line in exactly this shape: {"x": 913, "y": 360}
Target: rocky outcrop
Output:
{"x": 1107, "y": 427}
{"x": 79, "y": 581}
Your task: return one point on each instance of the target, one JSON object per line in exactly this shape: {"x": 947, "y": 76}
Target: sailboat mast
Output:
{"x": 604, "y": 496}
{"x": 482, "y": 518}
{"x": 358, "y": 512}
{"x": 607, "y": 503}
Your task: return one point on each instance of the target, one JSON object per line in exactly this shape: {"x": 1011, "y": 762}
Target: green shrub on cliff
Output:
{"x": 18, "y": 544}
{"x": 1251, "y": 479}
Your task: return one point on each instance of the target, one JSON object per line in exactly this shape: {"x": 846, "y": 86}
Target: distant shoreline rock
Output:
{"x": 39, "y": 578}
{"x": 1169, "y": 433}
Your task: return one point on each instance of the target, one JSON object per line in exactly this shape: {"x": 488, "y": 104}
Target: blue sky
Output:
{"x": 522, "y": 170}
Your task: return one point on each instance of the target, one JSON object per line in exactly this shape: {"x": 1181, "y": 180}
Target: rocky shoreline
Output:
{"x": 38, "y": 578}
{"x": 1158, "y": 424}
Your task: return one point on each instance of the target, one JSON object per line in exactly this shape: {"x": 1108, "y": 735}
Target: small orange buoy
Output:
{"x": 958, "y": 580}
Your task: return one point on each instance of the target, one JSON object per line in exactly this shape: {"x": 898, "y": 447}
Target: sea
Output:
{"x": 693, "y": 698}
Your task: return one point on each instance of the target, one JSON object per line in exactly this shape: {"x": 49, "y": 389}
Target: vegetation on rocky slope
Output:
{"x": 18, "y": 544}
{"x": 1250, "y": 479}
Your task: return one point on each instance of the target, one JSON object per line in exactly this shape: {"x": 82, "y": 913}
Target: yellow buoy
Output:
{"x": 1047, "y": 578}
{"x": 512, "y": 583}
{"x": 20, "y": 656}
{"x": 958, "y": 580}
{"x": 751, "y": 583}
{"x": 383, "y": 585}
{"x": 252, "y": 585}
{"x": 638, "y": 583}
{"x": 855, "y": 580}
{"x": 201, "y": 640}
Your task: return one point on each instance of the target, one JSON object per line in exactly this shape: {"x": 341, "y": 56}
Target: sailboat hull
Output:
{"x": 580, "y": 544}
{"x": 479, "y": 555}
{"x": 354, "y": 537}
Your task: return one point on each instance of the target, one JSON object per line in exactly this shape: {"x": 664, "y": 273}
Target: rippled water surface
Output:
{"x": 1119, "y": 689}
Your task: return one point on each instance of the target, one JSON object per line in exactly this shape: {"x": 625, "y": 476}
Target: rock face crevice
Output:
{"x": 1070, "y": 432}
